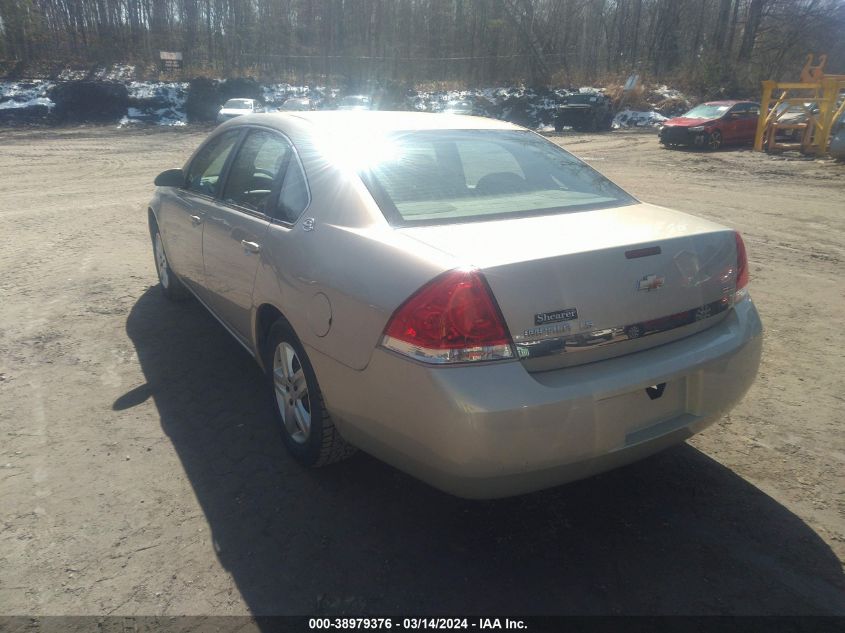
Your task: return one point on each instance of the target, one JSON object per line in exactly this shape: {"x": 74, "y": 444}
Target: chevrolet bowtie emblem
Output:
{"x": 651, "y": 282}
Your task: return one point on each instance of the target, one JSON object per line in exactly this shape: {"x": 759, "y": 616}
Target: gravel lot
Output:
{"x": 141, "y": 474}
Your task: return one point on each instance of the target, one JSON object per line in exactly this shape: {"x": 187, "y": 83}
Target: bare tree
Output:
{"x": 467, "y": 41}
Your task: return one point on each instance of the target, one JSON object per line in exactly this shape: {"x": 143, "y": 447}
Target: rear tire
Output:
{"x": 171, "y": 286}
{"x": 306, "y": 426}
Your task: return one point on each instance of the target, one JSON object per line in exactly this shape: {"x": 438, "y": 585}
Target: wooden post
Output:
{"x": 827, "y": 110}
{"x": 768, "y": 86}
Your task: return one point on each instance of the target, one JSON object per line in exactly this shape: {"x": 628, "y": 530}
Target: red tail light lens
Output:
{"x": 741, "y": 267}
{"x": 452, "y": 319}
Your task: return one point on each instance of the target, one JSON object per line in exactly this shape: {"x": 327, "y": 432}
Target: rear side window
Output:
{"x": 262, "y": 157}
{"x": 204, "y": 172}
{"x": 294, "y": 195}
{"x": 746, "y": 110}
{"x": 448, "y": 176}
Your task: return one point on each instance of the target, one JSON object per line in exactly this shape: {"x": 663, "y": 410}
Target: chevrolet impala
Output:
{"x": 457, "y": 296}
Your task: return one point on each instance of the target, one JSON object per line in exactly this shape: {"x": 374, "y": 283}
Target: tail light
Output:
{"x": 452, "y": 319}
{"x": 741, "y": 269}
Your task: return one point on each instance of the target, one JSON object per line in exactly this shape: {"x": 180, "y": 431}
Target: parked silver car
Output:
{"x": 238, "y": 107}
{"x": 355, "y": 102}
{"x": 462, "y": 106}
{"x": 457, "y": 296}
{"x": 297, "y": 104}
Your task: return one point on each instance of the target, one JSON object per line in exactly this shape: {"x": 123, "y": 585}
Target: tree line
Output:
{"x": 692, "y": 43}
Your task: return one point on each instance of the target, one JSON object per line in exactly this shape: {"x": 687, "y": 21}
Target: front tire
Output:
{"x": 307, "y": 428}
{"x": 714, "y": 140}
{"x": 634, "y": 331}
{"x": 169, "y": 283}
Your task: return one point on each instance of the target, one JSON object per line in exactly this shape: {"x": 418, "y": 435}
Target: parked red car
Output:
{"x": 712, "y": 125}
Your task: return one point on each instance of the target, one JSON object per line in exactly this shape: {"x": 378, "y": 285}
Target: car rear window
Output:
{"x": 448, "y": 176}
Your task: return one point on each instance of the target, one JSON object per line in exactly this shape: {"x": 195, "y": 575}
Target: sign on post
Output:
{"x": 171, "y": 62}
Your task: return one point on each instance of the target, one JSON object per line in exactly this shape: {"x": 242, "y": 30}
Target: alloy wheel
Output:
{"x": 292, "y": 392}
{"x": 714, "y": 141}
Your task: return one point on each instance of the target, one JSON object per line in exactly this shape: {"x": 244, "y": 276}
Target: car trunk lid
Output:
{"x": 579, "y": 287}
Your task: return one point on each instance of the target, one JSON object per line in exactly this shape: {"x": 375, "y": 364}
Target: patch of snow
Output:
{"x": 171, "y": 118}
{"x": 25, "y": 94}
{"x": 72, "y": 75}
{"x": 127, "y": 121}
{"x": 38, "y": 101}
{"x": 118, "y": 72}
{"x": 157, "y": 102}
{"x": 635, "y": 118}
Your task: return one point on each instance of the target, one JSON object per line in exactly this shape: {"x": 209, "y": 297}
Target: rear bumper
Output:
{"x": 496, "y": 430}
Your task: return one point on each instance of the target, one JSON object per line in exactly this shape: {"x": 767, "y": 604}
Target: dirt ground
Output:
{"x": 140, "y": 472}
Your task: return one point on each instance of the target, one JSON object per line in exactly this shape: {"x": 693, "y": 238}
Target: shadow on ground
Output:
{"x": 678, "y": 533}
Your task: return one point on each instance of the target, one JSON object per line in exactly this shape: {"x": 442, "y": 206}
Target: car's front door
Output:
{"x": 183, "y": 210}
{"x": 729, "y": 126}
{"x": 237, "y": 222}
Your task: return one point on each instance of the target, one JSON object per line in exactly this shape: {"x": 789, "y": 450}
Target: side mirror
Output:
{"x": 733, "y": 115}
{"x": 170, "y": 178}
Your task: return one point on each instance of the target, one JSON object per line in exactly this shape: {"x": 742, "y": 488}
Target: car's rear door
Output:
{"x": 237, "y": 222}
{"x": 183, "y": 211}
{"x": 747, "y": 122}
{"x": 740, "y": 123}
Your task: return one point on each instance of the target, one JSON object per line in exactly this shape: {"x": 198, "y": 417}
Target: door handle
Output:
{"x": 196, "y": 220}
{"x": 250, "y": 247}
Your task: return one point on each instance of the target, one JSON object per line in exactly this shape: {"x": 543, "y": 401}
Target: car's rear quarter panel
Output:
{"x": 352, "y": 256}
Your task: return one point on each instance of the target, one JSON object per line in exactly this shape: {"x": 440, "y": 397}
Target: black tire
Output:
{"x": 634, "y": 331}
{"x": 171, "y": 286}
{"x": 323, "y": 444}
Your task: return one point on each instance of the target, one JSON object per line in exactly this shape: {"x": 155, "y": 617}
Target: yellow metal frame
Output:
{"x": 826, "y": 92}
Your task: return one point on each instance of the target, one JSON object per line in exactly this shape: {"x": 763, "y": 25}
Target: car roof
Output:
{"x": 386, "y": 121}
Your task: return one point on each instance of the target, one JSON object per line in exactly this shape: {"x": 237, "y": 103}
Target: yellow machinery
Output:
{"x": 821, "y": 98}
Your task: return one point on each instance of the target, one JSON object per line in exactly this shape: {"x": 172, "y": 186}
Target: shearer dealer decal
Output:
{"x": 567, "y": 314}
